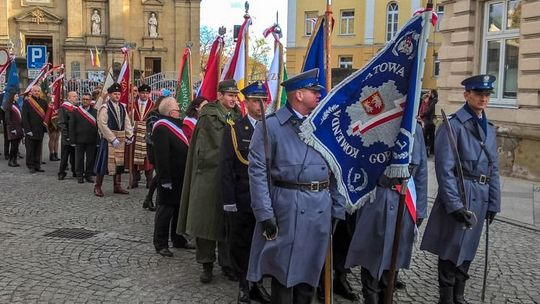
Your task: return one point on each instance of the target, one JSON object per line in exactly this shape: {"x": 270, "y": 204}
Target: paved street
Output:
{"x": 119, "y": 265}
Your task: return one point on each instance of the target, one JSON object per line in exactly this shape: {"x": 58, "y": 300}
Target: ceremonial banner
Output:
{"x": 123, "y": 80}
{"x": 275, "y": 73}
{"x": 12, "y": 85}
{"x": 365, "y": 125}
{"x": 236, "y": 66}
{"x": 315, "y": 53}
{"x": 184, "y": 89}
{"x": 36, "y": 80}
{"x": 57, "y": 91}
{"x": 209, "y": 84}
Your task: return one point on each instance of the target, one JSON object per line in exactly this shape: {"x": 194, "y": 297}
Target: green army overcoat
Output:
{"x": 201, "y": 206}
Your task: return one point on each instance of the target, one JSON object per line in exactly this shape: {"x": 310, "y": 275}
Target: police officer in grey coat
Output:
{"x": 294, "y": 210}
{"x": 371, "y": 245}
{"x": 445, "y": 235}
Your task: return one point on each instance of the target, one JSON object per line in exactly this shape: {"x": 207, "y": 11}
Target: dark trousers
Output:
{"x": 341, "y": 241}
{"x": 14, "y": 148}
{"x": 298, "y": 294}
{"x": 450, "y": 274}
{"x": 34, "y": 147}
{"x": 68, "y": 152}
{"x": 165, "y": 225}
{"x": 6, "y": 141}
{"x": 241, "y": 227}
{"x": 83, "y": 168}
{"x": 373, "y": 289}
{"x": 429, "y": 137}
{"x": 206, "y": 252}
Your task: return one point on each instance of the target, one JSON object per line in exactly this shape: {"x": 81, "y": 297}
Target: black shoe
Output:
{"x": 400, "y": 284}
{"x": 89, "y": 179}
{"x": 43, "y": 163}
{"x": 61, "y": 176}
{"x": 229, "y": 273}
{"x": 40, "y": 170}
{"x": 6, "y": 156}
{"x": 80, "y": 180}
{"x": 207, "y": 276}
{"x": 51, "y": 157}
{"x": 344, "y": 289}
{"x": 243, "y": 296}
{"x": 32, "y": 170}
{"x": 258, "y": 293}
{"x": 184, "y": 245}
{"x": 55, "y": 157}
{"x": 13, "y": 162}
{"x": 165, "y": 252}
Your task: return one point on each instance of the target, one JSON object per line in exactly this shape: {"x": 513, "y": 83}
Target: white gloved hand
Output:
{"x": 116, "y": 143}
{"x": 30, "y": 133}
{"x": 13, "y": 131}
{"x": 129, "y": 141}
{"x": 167, "y": 186}
{"x": 230, "y": 208}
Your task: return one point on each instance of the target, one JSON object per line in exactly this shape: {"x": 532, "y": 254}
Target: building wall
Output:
{"x": 69, "y": 23}
{"x": 518, "y": 125}
{"x": 369, "y": 32}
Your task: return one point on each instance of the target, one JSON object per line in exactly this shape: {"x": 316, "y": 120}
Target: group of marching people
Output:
{"x": 255, "y": 191}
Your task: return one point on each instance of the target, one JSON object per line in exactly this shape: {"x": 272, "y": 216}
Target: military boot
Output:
{"x": 459, "y": 292}
{"x": 97, "y": 187}
{"x": 446, "y": 295}
{"x": 370, "y": 297}
{"x": 118, "y": 185}
{"x": 207, "y": 275}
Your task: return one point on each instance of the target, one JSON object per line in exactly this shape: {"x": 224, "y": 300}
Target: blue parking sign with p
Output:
{"x": 36, "y": 56}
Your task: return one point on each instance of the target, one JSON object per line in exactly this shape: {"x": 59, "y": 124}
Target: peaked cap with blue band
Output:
{"x": 306, "y": 80}
{"x": 255, "y": 90}
{"x": 482, "y": 82}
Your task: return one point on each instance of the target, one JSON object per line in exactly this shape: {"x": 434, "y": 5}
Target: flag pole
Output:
{"x": 328, "y": 268}
{"x": 221, "y": 32}
{"x": 246, "y": 47}
{"x": 422, "y": 49}
{"x": 131, "y": 150}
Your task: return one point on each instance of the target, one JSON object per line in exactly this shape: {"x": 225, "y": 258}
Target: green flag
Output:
{"x": 184, "y": 88}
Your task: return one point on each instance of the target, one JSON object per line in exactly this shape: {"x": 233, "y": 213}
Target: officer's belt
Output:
{"x": 480, "y": 179}
{"x": 313, "y": 186}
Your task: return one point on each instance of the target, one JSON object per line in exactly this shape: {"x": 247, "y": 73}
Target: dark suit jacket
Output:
{"x": 170, "y": 162}
{"x": 32, "y": 122}
{"x": 81, "y": 131}
{"x": 234, "y": 173}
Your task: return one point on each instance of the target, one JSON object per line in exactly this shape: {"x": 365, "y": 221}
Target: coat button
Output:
{"x": 303, "y": 211}
{"x": 323, "y": 168}
{"x": 391, "y": 207}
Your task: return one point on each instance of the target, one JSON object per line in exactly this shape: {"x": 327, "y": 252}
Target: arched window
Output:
{"x": 392, "y": 12}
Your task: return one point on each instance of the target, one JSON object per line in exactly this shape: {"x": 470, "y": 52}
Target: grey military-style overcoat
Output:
{"x": 444, "y": 236}
{"x": 303, "y": 217}
{"x": 371, "y": 244}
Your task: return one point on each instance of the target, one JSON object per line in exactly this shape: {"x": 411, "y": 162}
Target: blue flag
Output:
{"x": 12, "y": 85}
{"x": 365, "y": 125}
{"x": 315, "y": 53}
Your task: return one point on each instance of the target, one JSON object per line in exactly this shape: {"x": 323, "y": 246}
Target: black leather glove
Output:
{"x": 490, "y": 216}
{"x": 463, "y": 216}
{"x": 270, "y": 229}
{"x": 419, "y": 222}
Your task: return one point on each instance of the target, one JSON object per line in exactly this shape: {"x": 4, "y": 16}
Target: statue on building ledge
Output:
{"x": 153, "y": 26}
{"x": 96, "y": 23}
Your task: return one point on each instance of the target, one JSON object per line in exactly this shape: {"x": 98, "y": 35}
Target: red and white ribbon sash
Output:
{"x": 68, "y": 106}
{"x": 173, "y": 128}
{"x": 17, "y": 112}
{"x": 86, "y": 115}
{"x": 190, "y": 122}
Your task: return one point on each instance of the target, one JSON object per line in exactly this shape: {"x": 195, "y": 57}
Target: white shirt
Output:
{"x": 298, "y": 114}
{"x": 253, "y": 121}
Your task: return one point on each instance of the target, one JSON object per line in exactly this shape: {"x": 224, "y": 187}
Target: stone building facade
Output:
{"x": 158, "y": 29}
{"x": 499, "y": 37}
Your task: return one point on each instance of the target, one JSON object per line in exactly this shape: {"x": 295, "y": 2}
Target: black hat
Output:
{"x": 228, "y": 85}
{"x": 482, "y": 82}
{"x": 306, "y": 80}
{"x": 144, "y": 88}
{"x": 115, "y": 87}
{"x": 255, "y": 90}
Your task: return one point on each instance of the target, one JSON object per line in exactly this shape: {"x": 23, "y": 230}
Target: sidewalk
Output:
{"x": 520, "y": 199}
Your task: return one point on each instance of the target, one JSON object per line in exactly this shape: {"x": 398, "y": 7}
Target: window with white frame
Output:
{"x": 440, "y": 15}
{"x": 310, "y": 21}
{"x": 501, "y": 48}
{"x": 436, "y": 65}
{"x": 392, "y": 12}
{"x": 347, "y": 22}
{"x": 345, "y": 62}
